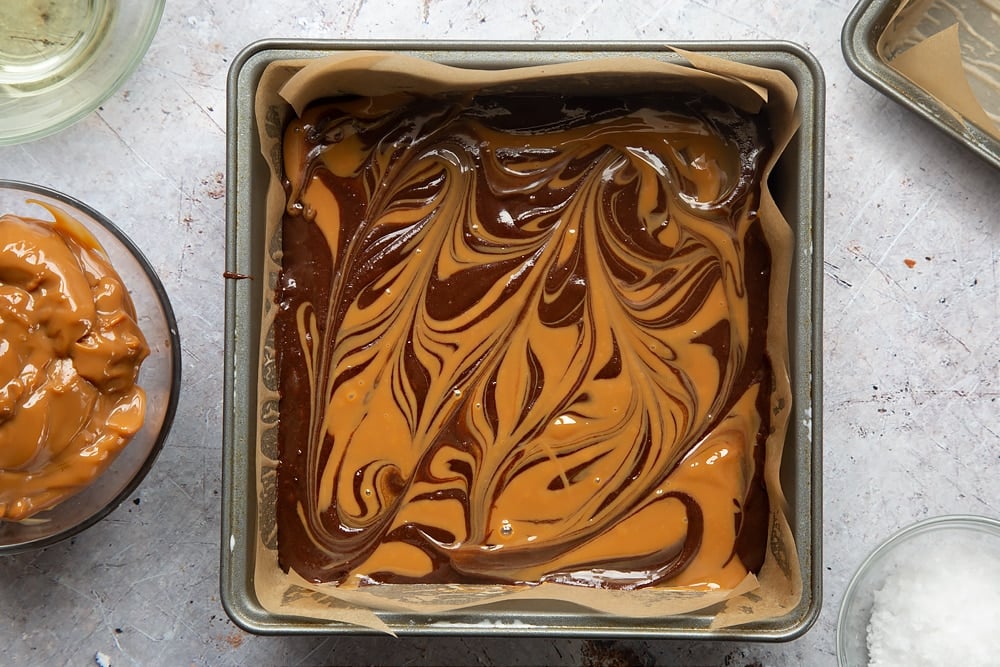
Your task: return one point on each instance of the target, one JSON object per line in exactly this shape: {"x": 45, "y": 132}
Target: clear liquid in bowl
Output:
{"x": 45, "y": 42}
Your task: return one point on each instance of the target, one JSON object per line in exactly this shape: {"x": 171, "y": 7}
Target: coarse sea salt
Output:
{"x": 943, "y": 608}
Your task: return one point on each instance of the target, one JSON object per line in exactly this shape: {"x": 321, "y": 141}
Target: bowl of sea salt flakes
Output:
{"x": 929, "y": 595}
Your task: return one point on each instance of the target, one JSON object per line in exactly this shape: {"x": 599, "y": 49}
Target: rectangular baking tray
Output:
{"x": 861, "y": 32}
{"x": 798, "y": 186}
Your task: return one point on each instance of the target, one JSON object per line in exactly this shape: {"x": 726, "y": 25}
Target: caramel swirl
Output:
{"x": 70, "y": 351}
{"x": 523, "y": 339}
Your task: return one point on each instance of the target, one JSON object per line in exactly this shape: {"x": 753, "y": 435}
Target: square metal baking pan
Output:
{"x": 865, "y": 24}
{"x": 798, "y": 187}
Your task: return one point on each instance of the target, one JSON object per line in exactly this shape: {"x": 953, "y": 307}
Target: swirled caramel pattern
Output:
{"x": 70, "y": 351}
{"x": 523, "y": 339}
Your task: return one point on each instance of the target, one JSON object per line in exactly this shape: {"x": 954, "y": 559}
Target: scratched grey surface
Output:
{"x": 912, "y": 354}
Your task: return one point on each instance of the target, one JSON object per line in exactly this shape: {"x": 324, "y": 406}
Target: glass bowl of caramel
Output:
{"x": 89, "y": 366}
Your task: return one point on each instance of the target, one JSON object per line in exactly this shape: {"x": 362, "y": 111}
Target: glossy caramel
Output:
{"x": 70, "y": 351}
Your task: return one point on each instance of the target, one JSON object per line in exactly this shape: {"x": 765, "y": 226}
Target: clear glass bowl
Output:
{"x": 60, "y": 59}
{"x": 159, "y": 376}
{"x": 913, "y": 544}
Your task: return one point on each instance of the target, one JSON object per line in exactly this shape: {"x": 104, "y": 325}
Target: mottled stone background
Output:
{"x": 912, "y": 358}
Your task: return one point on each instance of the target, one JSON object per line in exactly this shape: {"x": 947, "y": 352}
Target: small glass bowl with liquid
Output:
{"x": 60, "y": 59}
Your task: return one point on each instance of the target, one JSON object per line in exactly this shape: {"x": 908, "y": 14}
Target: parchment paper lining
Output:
{"x": 952, "y": 51}
{"x": 286, "y": 88}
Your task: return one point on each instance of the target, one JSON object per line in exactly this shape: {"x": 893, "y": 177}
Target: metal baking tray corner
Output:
{"x": 860, "y": 35}
{"x": 798, "y": 186}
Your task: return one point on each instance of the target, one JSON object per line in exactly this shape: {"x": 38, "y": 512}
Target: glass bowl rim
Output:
{"x": 142, "y": 41}
{"x": 931, "y": 524}
{"x": 175, "y": 362}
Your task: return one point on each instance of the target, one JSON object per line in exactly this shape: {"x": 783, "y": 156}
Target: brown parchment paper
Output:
{"x": 950, "y": 49}
{"x": 285, "y": 89}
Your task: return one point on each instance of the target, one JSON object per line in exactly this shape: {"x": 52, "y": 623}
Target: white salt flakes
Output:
{"x": 941, "y": 609}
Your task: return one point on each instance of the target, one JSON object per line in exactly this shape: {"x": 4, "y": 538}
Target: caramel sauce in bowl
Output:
{"x": 89, "y": 366}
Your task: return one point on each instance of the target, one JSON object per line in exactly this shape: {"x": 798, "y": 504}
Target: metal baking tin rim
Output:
{"x": 240, "y": 358}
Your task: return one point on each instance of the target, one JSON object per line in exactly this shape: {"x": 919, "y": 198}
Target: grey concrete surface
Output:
{"x": 912, "y": 358}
